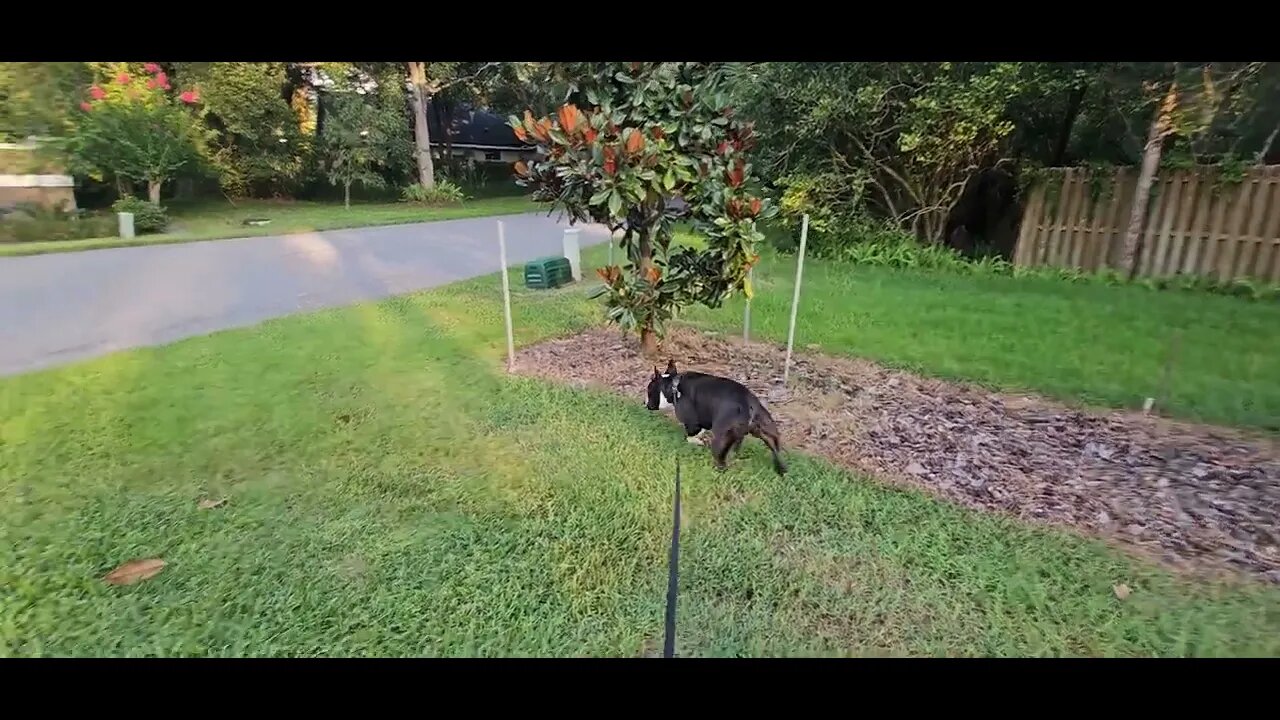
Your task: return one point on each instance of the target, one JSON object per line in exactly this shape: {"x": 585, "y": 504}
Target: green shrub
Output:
{"x": 867, "y": 242}
{"x": 30, "y": 222}
{"x": 147, "y": 216}
{"x": 444, "y": 193}
{"x": 875, "y": 245}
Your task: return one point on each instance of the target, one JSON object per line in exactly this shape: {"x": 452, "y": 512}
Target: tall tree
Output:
{"x": 1201, "y": 105}
{"x": 425, "y": 80}
{"x": 40, "y": 98}
{"x": 259, "y": 147}
{"x": 137, "y": 126}
{"x": 900, "y": 140}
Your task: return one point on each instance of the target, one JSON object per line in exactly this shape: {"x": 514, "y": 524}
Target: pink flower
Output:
{"x": 151, "y": 68}
{"x": 123, "y": 78}
{"x": 151, "y": 84}
{"x": 190, "y": 96}
{"x": 86, "y": 106}
{"x": 162, "y": 79}
{"x": 97, "y": 93}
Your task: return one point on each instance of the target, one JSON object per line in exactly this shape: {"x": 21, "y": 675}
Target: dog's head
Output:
{"x": 662, "y": 387}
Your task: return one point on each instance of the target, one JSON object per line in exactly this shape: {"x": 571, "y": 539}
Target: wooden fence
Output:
{"x": 1196, "y": 224}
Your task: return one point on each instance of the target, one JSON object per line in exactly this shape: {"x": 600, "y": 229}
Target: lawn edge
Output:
{"x": 52, "y": 247}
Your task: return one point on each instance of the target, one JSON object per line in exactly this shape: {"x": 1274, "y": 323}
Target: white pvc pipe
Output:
{"x": 746, "y": 314}
{"x": 506, "y": 297}
{"x": 572, "y": 251}
{"x": 125, "y": 224}
{"x": 795, "y": 298}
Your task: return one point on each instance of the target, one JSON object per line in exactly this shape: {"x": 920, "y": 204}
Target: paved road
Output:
{"x": 58, "y": 308}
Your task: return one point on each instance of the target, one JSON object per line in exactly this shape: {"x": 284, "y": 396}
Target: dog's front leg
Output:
{"x": 692, "y": 433}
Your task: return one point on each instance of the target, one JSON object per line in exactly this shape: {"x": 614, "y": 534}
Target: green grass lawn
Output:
{"x": 391, "y": 491}
{"x": 1078, "y": 342}
{"x": 210, "y": 221}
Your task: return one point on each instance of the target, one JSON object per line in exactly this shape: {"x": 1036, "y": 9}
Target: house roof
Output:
{"x": 476, "y": 128}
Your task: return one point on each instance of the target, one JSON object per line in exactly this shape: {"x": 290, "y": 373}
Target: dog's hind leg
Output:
{"x": 770, "y": 437}
{"x": 723, "y": 440}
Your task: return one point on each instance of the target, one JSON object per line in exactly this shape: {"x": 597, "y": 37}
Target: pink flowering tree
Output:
{"x": 136, "y": 126}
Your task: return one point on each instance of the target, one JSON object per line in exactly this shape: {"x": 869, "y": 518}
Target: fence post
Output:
{"x": 795, "y": 298}
{"x": 746, "y": 314}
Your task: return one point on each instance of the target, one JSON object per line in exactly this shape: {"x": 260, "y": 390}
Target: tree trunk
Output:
{"x": 421, "y": 132}
{"x": 648, "y": 335}
{"x": 1074, "y": 104}
{"x": 346, "y": 195}
{"x": 153, "y": 190}
{"x": 446, "y": 125}
{"x": 1150, "y": 163}
{"x": 1266, "y": 147}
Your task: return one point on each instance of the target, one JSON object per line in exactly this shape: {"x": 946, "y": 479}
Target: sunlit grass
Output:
{"x": 1086, "y": 343}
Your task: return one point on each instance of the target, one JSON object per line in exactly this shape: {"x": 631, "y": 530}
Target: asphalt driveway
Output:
{"x": 59, "y": 308}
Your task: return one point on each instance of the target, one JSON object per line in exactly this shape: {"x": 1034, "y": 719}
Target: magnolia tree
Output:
{"x": 634, "y": 137}
{"x": 136, "y": 126}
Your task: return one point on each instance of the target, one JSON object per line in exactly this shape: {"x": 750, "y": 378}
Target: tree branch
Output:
{"x": 888, "y": 170}
{"x": 439, "y": 86}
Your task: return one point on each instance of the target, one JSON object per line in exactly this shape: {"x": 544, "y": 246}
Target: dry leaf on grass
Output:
{"x": 1122, "y": 591}
{"x": 210, "y": 504}
{"x": 135, "y": 571}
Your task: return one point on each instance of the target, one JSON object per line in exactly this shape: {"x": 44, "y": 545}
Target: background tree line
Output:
{"x": 296, "y": 130}
{"x": 940, "y": 150}
{"x": 935, "y": 150}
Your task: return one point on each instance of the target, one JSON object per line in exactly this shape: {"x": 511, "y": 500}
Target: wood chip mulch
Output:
{"x": 1193, "y": 496}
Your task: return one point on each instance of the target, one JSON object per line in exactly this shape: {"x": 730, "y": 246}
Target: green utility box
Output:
{"x": 547, "y": 273}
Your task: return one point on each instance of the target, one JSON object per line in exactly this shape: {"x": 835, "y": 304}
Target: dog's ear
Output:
{"x": 655, "y": 371}
{"x": 671, "y": 367}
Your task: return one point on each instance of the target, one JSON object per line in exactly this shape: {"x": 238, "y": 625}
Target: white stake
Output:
{"x": 746, "y": 314}
{"x": 506, "y": 297}
{"x": 795, "y": 298}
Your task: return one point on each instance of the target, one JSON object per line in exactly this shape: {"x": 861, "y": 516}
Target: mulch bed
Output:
{"x": 1194, "y": 496}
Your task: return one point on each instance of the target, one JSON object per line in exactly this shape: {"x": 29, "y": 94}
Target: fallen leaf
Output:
{"x": 135, "y": 571}
{"x": 1122, "y": 591}
{"x": 209, "y": 503}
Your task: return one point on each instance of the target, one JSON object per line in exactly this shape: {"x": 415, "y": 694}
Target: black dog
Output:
{"x": 723, "y": 406}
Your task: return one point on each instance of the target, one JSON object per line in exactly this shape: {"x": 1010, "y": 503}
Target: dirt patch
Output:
{"x": 1194, "y": 496}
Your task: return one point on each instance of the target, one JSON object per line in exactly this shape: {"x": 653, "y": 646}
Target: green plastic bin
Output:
{"x": 547, "y": 273}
